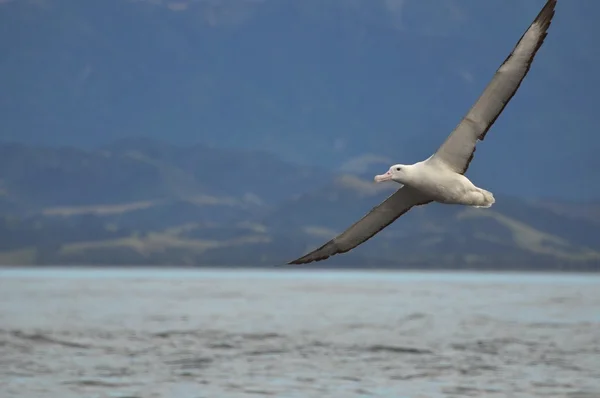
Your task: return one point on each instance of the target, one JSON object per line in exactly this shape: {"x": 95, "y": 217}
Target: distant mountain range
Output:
{"x": 317, "y": 82}
{"x": 143, "y": 202}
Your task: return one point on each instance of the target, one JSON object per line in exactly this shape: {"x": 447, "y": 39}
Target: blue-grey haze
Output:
{"x": 313, "y": 82}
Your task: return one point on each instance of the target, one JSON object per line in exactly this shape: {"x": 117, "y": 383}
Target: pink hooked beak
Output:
{"x": 383, "y": 177}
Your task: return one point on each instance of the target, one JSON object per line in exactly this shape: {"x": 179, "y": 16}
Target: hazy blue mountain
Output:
{"x": 140, "y": 201}
{"x": 144, "y": 171}
{"x": 315, "y": 82}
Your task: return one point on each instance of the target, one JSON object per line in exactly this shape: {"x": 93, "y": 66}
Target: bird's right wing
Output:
{"x": 377, "y": 219}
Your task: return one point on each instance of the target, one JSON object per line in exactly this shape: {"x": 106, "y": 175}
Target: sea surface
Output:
{"x": 209, "y": 333}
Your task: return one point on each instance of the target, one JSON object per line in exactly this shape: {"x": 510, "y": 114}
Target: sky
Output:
{"x": 326, "y": 83}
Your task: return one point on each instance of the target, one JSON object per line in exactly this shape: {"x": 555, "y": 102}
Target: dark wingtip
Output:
{"x": 313, "y": 256}
{"x": 304, "y": 260}
{"x": 299, "y": 261}
{"x": 544, "y": 18}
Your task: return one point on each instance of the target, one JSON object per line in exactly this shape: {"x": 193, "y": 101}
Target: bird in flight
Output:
{"x": 440, "y": 178}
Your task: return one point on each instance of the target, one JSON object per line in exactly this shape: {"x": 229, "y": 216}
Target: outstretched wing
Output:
{"x": 459, "y": 148}
{"x": 377, "y": 219}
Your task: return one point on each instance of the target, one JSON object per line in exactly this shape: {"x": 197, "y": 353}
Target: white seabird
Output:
{"x": 440, "y": 178}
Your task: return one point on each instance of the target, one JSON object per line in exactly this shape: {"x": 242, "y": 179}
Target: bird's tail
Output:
{"x": 487, "y": 199}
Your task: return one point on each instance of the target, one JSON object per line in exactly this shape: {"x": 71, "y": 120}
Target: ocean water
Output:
{"x": 208, "y": 333}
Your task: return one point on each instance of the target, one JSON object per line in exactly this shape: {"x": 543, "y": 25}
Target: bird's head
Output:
{"x": 398, "y": 173}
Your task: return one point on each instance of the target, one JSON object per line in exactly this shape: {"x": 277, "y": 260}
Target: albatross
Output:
{"x": 440, "y": 178}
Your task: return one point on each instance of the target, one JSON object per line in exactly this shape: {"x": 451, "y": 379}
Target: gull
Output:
{"x": 440, "y": 178}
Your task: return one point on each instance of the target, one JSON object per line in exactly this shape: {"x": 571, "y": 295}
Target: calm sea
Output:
{"x": 239, "y": 333}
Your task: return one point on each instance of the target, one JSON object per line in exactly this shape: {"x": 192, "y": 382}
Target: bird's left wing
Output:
{"x": 377, "y": 219}
{"x": 459, "y": 148}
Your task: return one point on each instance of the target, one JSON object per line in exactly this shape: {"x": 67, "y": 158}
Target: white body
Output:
{"x": 439, "y": 183}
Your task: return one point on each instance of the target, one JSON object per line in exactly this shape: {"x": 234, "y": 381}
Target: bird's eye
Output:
{"x": 397, "y": 168}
